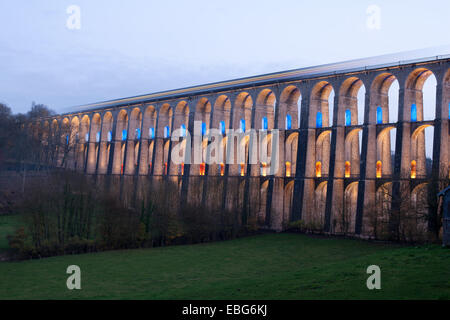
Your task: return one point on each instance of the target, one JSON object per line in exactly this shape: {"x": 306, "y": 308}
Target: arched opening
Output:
{"x": 378, "y": 169}
{"x": 242, "y": 115}
{"x": 346, "y": 223}
{"x": 322, "y": 152}
{"x": 290, "y": 107}
{"x": 318, "y": 169}
{"x": 265, "y": 110}
{"x": 120, "y": 142}
{"x": 420, "y": 95}
{"x": 222, "y": 111}
{"x": 133, "y": 141}
{"x": 287, "y": 203}
{"x": 320, "y": 197}
{"x": 347, "y": 169}
{"x": 290, "y": 155}
{"x": 147, "y": 141}
{"x": 422, "y": 150}
{"x": 288, "y": 169}
{"x": 413, "y": 169}
{"x": 385, "y": 151}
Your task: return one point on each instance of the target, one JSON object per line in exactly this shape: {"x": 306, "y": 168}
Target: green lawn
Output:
{"x": 271, "y": 266}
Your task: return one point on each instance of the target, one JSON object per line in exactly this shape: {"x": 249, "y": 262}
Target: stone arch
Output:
{"x": 94, "y": 143}
{"x": 106, "y": 140}
{"x": 148, "y": 142}
{"x": 73, "y": 142}
{"x": 320, "y": 197}
{"x": 133, "y": 141}
{"x": 265, "y": 109}
{"x": 351, "y": 150}
{"x": 320, "y": 104}
{"x": 243, "y": 105}
{"x": 418, "y": 151}
{"x": 378, "y": 218}
{"x": 381, "y": 107}
{"x": 351, "y": 102}
{"x": 322, "y": 153}
{"x": 288, "y": 198}
{"x": 181, "y": 115}
{"x": 414, "y": 95}
{"x": 384, "y": 151}
{"x": 415, "y": 224}
{"x": 290, "y": 101}
{"x": 290, "y": 154}
{"x": 263, "y": 193}
{"x": 222, "y": 110}
{"x": 203, "y": 111}
{"x": 161, "y": 144}
{"x": 346, "y": 223}
{"x": 121, "y": 136}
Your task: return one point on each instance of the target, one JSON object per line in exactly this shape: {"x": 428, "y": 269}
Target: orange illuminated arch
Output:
{"x": 222, "y": 169}
{"x": 318, "y": 169}
{"x": 182, "y": 168}
{"x": 242, "y": 169}
{"x": 263, "y": 169}
{"x": 413, "y": 169}
{"x": 378, "y": 169}
{"x": 202, "y": 169}
{"x": 347, "y": 169}
{"x": 288, "y": 169}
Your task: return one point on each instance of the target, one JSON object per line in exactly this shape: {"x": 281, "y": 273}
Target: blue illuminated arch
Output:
{"x": 288, "y": 122}
{"x": 124, "y": 134}
{"x": 97, "y": 137}
{"x": 166, "y": 132}
{"x": 203, "y": 128}
{"x": 138, "y": 134}
{"x": 222, "y": 127}
{"x": 67, "y": 139}
{"x": 264, "y": 124}
{"x": 242, "y": 124}
{"x": 109, "y": 136}
{"x": 151, "y": 133}
{"x": 413, "y": 112}
{"x": 183, "y": 130}
{"x": 86, "y": 137}
{"x": 348, "y": 117}
{"x": 379, "y": 115}
{"x": 319, "y": 120}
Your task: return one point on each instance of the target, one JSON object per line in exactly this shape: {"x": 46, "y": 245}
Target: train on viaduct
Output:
{"x": 341, "y": 156}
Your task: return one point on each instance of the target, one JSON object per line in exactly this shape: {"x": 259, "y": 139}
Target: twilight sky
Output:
{"x": 126, "y": 48}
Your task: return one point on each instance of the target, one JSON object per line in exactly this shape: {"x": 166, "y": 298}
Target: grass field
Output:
{"x": 270, "y": 266}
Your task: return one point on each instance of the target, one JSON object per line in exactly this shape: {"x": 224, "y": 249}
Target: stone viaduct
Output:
{"x": 330, "y": 171}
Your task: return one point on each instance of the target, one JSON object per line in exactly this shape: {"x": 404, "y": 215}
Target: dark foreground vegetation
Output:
{"x": 67, "y": 213}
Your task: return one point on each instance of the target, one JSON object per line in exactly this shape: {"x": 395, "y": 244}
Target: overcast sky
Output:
{"x": 126, "y": 48}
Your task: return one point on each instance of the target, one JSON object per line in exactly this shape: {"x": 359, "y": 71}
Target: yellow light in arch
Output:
{"x": 288, "y": 169}
{"x": 378, "y": 169}
{"x": 242, "y": 169}
{"x": 263, "y": 169}
{"x": 202, "y": 169}
{"x": 222, "y": 169}
{"x": 318, "y": 169}
{"x": 182, "y": 168}
{"x": 347, "y": 169}
{"x": 413, "y": 169}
